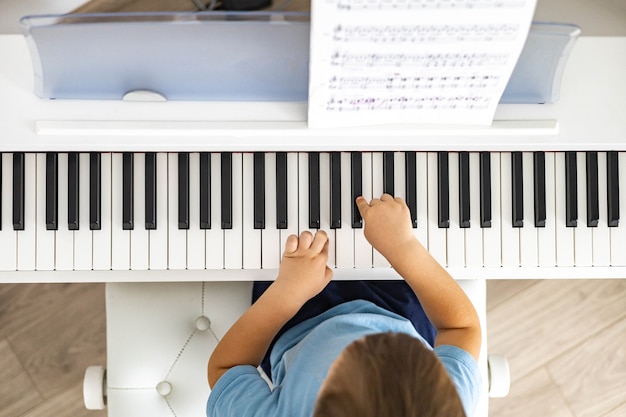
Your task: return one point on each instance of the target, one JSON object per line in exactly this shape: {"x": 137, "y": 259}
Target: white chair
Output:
{"x": 160, "y": 337}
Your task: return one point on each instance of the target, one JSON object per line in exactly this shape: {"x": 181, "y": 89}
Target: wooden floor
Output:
{"x": 565, "y": 341}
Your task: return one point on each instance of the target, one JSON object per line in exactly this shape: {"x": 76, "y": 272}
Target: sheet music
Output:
{"x": 412, "y": 61}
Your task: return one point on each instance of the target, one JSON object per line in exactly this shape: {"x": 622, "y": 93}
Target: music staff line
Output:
{"x": 403, "y": 5}
{"x": 435, "y": 103}
{"x": 421, "y": 60}
{"x": 401, "y": 82}
{"x": 425, "y": 33}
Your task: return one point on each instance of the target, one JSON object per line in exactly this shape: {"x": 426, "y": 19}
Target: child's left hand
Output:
{"x": 303, "y": 271}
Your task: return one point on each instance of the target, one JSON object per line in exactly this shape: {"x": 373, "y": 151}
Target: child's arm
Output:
{"x": 388, "y": 229}
{"x": 303, "y": 274}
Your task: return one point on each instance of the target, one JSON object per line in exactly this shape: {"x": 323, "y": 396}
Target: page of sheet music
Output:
{"x": 412, "y": 61}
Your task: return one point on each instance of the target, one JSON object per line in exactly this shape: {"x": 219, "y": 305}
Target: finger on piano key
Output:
{"x": 205, "y": 190}
{"x": 325, "y": 188}
{"x": 158, "y": 237}
{"x": 378, "y": 188}
{"x": 529, "y": 256}
{"x": 44, "y": 249}
{"x": 571, "y": 189}
{"x": 485, "y": 189}
{"x": 195, "y": 235}
{"x": 388, "y": 174}
{"x": 64, "y": 238}
{"x": 601, "y": 234}
{"x": 618, "y": 233}
{"x": 510, "y": 234}
{"x": 292, "y": 200}
{"x": 344, "y": 234}
{"x": 583, "y": 249}
{"x": 102, "y": 237}
{"x": 27, "y": 238}
{"x": 95, "y": 191}
{"x": 492, "y": 242}
{"x": 314, "y": 190}
{"x": 455, "y": 235}
{"x": 437, "y": 245}
{"x": 612, "y": 174}
{"x": 356, "y": 181}
{"x": 7, "y": 234}
{"x": 363, "y": 251}
{"x": 215, "y": 235}
{"x": 474, "y": 234}
{"x": 252, "y": 195}
{"x": 177, "y": 238}
{"x": 410, "y": 180}
{"x": 421, "y": 232}
{"x": 593, "y": 210}
{"x": 151, "y": 191}
{"x": 281, "y": 190}
{"x": 303, "y": 195}
{"x": 139, "y": 236}
{"x": 270, "y": 236}
{"x": 73, "y": 191}
{"x": 464, "y": 189}
{"x": 233, "y": 244}
{"x": 183, "y": 190}
{"x": 335, "y": 190}
{"x": 546, "y": 235}
{"x": 19, "y": 190}
{"x": 52, "y": 191}
{"x": 120, "y": 237}
{"x": 83, "y": 237}
{"x": 564, "y": 233}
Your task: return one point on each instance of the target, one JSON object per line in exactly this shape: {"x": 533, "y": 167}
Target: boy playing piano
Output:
{"x": 352, "y": 348}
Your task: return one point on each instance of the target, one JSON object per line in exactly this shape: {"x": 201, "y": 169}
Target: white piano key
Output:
{"x": 437, "y": 245}
{"x": 292, "y": 202}
{"x": 325, "y": 206}
{"x": 102, "y": 237}
{"x": 421, "y": 169}
{"x": 159, "y": 237}
{"x": 583, "y": 241}
{"x": 362, "y": 249}
{"x": 529, "y": 256}
{"x": 546, "y": 236}
{"x": 120, "y": 239}
{"x": 601, "y": 234}
{"x": 564, "y": 234}
{"x": 303, "y": 194}
{"x": 251, "y": 236}
{"x": 27, "y": 238}
{"x": 474, "y": 234}
{"x": 344, "y": 235}
{"x": 379, "y": 260}
{"x": 8, "y": 237}
{"x": 492, "y": 243}
{"x": 510, "y": 234}
{"x": 64, "y": 238}
{"x": 455, "y": 235}
{"x": 195, "y": 236}
{"x": 139, "y": 236}
{"x": 618, "y": 234}
{"x": 233, "y": 245}
{"x": 215, "y": 235}
{"x": 270, "y": 236}
{"x": 177, "y": 238}
{"x": 44, "y": 238}
{"x": 83, "y": 238}
{"x": 399, "y": 180}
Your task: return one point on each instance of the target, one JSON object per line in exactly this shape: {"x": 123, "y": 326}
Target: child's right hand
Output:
{"x": 387, "y": 224}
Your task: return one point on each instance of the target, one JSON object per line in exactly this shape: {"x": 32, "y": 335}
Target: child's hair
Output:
{"x": 388, "y": 374}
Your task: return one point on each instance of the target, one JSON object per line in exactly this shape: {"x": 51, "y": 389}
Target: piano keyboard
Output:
{"x": 197, "y": 211}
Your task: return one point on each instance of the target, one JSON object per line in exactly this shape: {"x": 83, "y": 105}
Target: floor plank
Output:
{"x": 499, "y": 291}
{"x": 67, "y": 403}
{"x": 592, "y": 376}
{"x": 17, "y": 391}
{"x": 620, "y": 411}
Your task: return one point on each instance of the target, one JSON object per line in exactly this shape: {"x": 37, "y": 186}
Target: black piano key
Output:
{"x": 464, "y": 190}
{"x": 571, "y": 190}
{"x": 410, "y": 176}
{"x": 612, "y": 188}
{"x": 539, "y": 176}
{"x": 227, "y": 190}
{"x": 388, "y": 173}
{"x": 485, "y": 189}
{"x": 335, "y": 190}
{"x": 356, "y": 186}
{"x": 443, "y": 190}
{"x": 183, "y": 190}
{"x": 127, "y": 191}
{"x": 205, "y": 190}
{"x": 281, "y": 190}
{"x": 0, "y": 191}
{"x": 517, "y": 190}
{"x": 52, "y": 191}
{"x": 95, "y": 191}
{"x": 314, "y": 190}
{"x": 73, "y": 191}
{"x": 18, "y": 191}
{"x": 593, "y": 206}
{"x": 259, "y": 190}
{"x": 151, "y": 191}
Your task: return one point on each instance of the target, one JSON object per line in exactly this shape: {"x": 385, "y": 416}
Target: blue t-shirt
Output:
{"x": 302, "y": 356}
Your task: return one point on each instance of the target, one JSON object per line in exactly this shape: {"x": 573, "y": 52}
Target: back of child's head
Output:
{"x": 388, "y": 374}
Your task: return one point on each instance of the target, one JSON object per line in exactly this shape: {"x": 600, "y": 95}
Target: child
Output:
{"x": 356, "y": 358}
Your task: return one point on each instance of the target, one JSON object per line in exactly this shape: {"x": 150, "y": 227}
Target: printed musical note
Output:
{"x": 445, "y": 60}
{"x": 424, "y": 33}
{"x": 433, "y": 102}
{"x": 403, "y": 5}
{"x": 415, "y": 82}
